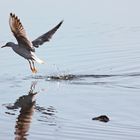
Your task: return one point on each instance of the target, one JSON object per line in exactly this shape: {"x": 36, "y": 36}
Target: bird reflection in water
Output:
{"x": 27, "y": 106}
{"x": 26, "y": 103}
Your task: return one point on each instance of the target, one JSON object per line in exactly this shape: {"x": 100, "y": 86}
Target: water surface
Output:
{"x": 92, "y": 68}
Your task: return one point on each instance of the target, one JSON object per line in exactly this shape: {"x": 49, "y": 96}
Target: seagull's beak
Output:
{"x": 3, "y": 46}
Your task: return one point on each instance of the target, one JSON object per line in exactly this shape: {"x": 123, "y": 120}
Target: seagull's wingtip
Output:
{"x": 61, "y": 21}
{"x": 11, "y": 14}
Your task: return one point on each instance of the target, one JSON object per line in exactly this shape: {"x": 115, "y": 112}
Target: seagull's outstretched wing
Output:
{"x": 19, "y": 32}
{"x": 45, "y": 37}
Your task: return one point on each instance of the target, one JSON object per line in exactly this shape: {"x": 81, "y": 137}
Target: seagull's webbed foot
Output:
{"x": 34, "y": 70}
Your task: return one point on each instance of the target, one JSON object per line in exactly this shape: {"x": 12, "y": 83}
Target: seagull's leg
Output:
{"x": 34, "y": 69}
{"x": 31, "y": 66}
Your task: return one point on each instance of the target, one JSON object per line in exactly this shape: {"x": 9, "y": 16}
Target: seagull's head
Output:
{"x": 9, "y": 44}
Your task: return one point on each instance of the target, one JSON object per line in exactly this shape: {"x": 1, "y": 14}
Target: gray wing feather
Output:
{"x": 45, "y": 37}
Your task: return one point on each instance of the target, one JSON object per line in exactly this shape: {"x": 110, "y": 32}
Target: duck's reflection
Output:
{"x": 26, "y": 103}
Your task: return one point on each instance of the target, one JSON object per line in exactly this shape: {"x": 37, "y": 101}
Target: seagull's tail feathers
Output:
{"x": 37, "y": 59}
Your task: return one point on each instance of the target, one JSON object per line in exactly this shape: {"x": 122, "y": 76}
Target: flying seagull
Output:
{"x": 25, "y": 47}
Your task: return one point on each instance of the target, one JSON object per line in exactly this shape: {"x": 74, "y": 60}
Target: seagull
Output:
{"x": 24, "y": 46}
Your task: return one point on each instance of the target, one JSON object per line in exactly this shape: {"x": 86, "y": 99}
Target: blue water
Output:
{"x": 98, "y": 46}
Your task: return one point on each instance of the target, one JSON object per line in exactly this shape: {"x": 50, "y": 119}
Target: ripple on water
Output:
{"x": 104, "y": 59}
{"x": 66, "y": 129}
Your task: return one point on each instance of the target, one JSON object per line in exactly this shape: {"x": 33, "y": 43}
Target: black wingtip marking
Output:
{"x": 57, "y": 26}
{"x": 13, "y": 15}
{"x": 60, "y": 23}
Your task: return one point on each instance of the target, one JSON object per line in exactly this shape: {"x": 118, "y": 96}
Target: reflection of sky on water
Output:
{"x": 98, "y": 39}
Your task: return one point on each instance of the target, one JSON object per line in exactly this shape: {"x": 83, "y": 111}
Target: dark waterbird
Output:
{"x": 25, "y": 47}
{"x": 102, "y": 118}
